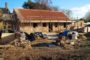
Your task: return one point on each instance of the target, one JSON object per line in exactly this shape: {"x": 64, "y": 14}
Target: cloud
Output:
{"x": 80, "y": 11}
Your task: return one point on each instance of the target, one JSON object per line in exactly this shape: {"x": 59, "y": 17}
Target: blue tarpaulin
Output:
{"x": 65, "y": 33}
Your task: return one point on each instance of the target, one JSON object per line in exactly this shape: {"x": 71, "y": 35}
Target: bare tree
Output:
{"x": 54, "y": 8}
{"x": 39, "y": 4}
{"x": 87, "y": 16}
{"x": 68, "y": 12}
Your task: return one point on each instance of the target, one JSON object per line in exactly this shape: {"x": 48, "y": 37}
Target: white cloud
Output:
{"x": 80, "y": 11}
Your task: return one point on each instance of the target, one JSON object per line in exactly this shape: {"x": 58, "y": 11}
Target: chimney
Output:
{"x": 6, "y": 5}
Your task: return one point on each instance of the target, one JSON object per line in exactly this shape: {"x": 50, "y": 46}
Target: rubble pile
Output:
{"x": 66, "y": 40}
{"x": 72, "y": 39}
{"x": 21, "y": 43}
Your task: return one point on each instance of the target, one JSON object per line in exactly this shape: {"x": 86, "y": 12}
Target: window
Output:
{"x": 35, "y": 25}
{"x": 44, "y": 24}
{"x": 65, "y": 25}
{"x": 56, "y": 25}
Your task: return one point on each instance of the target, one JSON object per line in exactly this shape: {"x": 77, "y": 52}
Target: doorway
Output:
{"x": 50, "y": 26}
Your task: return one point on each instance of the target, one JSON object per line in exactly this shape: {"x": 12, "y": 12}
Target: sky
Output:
{"x": 78, "y": 7}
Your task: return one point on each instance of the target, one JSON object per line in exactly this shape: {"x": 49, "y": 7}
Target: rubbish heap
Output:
{"x": 67, "y": 39}
{"x": 20, "y": 41}
{"x": 71, "y": 39}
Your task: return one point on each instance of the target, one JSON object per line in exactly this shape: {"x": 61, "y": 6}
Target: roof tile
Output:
{"x": 30, "y": 14}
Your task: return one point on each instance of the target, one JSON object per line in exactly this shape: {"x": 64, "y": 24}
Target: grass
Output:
{"x": 45, "y": 53}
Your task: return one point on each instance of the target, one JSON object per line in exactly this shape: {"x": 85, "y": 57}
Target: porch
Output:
{"x": 44, "y": 27}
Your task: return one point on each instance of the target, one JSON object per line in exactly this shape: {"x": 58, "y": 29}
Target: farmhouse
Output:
{"x": 30, "y": 20}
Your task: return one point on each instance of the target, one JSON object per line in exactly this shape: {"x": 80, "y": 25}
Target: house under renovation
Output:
{"x": 29, "y": 20}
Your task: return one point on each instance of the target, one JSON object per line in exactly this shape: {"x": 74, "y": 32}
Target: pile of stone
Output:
{"x": 81, "y": 41}
{"x": 21, "y": 43}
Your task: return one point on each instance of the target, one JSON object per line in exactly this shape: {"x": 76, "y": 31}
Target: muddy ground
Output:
{"x": 45, "y": 53}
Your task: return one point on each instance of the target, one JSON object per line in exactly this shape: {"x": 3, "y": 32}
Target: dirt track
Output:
{"x": 45, "y": 53}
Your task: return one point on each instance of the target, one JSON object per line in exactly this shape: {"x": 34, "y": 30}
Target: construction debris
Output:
{"x": 21, "y": 43}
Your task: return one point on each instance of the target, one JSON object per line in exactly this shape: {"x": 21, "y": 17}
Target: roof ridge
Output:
{"x": 38, "y": 10}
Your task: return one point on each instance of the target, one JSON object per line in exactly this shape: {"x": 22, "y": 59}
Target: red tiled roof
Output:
{"x": 30, "y": 14}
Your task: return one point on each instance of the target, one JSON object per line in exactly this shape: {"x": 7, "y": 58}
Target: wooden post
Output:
{"x": 77, "y": 25}
{"x": 30, "y": 26}
{"x": 58, "y": 26}
{"x": 41, "y": 26}
{"x": 87, "y": 29}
